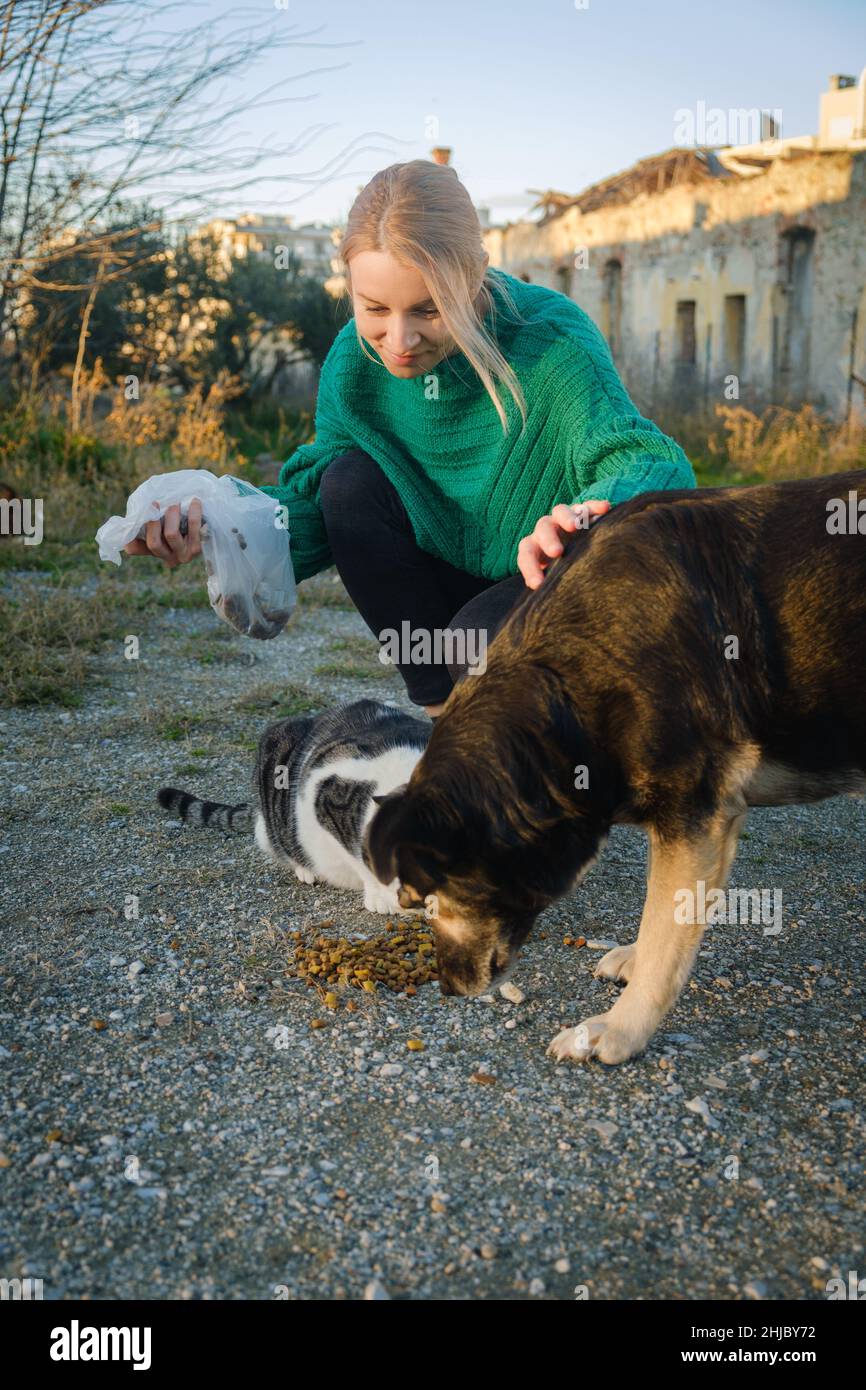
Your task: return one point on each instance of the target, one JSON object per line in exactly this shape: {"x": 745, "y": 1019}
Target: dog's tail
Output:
{"x": 213, "y": 814}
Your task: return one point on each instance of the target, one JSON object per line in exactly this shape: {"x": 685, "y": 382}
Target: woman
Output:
{"x": 459, "y": 405}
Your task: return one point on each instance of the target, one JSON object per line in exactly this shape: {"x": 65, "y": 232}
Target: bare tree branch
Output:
{"x": 108, "y": 103}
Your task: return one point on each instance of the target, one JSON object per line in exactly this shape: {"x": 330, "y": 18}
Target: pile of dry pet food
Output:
{"x": 400, "y": 959}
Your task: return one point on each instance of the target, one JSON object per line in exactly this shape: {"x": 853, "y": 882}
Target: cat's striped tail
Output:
{"x": 213, "y": 814}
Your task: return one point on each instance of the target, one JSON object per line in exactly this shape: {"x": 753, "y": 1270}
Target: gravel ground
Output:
{"x": 172, "y": 1126}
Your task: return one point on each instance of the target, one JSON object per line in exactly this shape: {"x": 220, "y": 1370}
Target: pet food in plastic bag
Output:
{"x": 245, "y": 545}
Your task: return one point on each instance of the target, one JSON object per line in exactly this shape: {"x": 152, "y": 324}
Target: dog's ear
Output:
{"x": 381, "y": 797}
{"x": 403, "y": 843}
{"x": 421, "y": 869}
{"x": 385, "y": 832}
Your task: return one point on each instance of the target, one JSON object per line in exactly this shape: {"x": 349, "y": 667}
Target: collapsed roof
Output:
{"x": 692, "y": 165}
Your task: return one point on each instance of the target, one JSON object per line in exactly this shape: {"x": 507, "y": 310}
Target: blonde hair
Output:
{"x": 421, "y": 214}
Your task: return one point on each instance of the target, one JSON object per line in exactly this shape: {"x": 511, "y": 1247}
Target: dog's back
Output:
{"x": 695, "y": 621}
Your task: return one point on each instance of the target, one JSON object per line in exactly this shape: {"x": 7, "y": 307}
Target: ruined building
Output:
{"x": 722, "y": 271}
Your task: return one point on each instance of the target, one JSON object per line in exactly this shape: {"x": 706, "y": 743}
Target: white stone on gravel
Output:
{"x": 513, "y": 993}
{"x": 756, "y": 1288}
{"x": 375, "y": 1292}
{"x": 606, "y": 1128}
{"x": 698, "y": 1106}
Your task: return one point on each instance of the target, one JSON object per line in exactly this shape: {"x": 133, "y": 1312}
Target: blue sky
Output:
{"x": 528, "y": 93}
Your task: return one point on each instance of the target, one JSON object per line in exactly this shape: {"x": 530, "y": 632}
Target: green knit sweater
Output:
{"x": 470, "y": 490}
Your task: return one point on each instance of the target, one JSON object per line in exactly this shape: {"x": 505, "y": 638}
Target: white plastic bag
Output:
{"x": 245, "y": 544}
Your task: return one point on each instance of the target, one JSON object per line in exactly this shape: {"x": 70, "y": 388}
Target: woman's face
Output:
{"x": 395, "y": 314}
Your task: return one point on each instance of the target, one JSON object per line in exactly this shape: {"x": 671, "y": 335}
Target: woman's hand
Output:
{"x": 535, "y": 552}
{"x": 167, "y": 540}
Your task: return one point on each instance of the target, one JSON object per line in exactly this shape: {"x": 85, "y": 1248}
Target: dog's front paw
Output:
{"x": 599, "y": 1037}
{"x": 618, "y": 964}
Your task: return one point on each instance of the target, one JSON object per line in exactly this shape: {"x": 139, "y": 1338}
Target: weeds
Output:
{"x": 350, "y": 671}
{"x": 279, "y": 701}
{"x": 178, "y": 726}
{"x": 46, "y": 635}
{"x": 784, "y": 443}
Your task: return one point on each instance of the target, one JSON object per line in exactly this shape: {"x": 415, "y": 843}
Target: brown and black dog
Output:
{"x": 694, "y": 654}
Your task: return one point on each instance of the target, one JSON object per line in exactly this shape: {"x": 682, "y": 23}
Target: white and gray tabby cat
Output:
{"x": 315, "y": 780}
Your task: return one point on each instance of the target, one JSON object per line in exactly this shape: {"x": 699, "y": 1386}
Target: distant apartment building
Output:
{"x": 721, "y": 271}
{"x": 271, "y": 237}
{"x": 266, "y": 235}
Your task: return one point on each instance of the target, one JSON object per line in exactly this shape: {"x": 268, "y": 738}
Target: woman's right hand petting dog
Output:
{"x": 535, "y": 552}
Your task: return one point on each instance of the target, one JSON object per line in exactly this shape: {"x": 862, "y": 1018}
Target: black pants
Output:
{"x": 392, "y": 582}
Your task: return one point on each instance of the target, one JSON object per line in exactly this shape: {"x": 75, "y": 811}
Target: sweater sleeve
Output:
{"x": 301, "y": 476}
{"x": 613, "y": 452}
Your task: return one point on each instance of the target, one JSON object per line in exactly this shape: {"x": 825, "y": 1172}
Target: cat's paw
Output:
{"x": 305, "y": 875}
{"x": 381, "y": 899}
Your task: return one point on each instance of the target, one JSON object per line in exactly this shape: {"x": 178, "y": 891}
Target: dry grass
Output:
{"x": 46, "y": 636}
{"x": 279, "y": 700}
{"x": 48, "y": 629}
{"x": 324, "y": 591}
{"x": 730, "y": 444}
{"x": 83, "y": 475}
{"x": 200, "y": 438}
{"x": 355, "y": 658}
{"x": 784, "y": 443}
{"x": 188, "y": 430}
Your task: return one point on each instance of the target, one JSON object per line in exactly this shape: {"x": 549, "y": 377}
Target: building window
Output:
{"x": 735, "y": 333}
{"x": 686, "y": 331}
{"x": 796, "y": 272}
{"x": 611, "y": 306}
